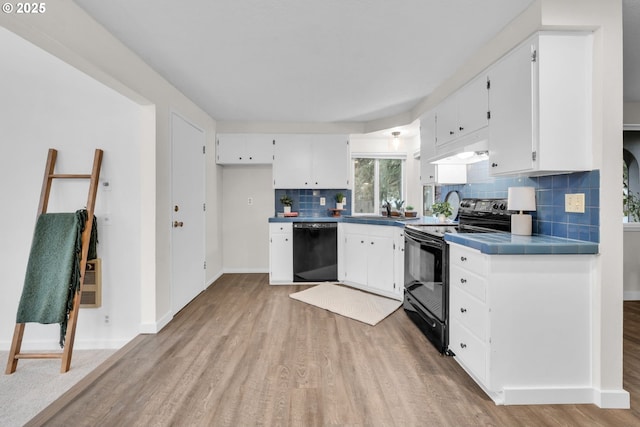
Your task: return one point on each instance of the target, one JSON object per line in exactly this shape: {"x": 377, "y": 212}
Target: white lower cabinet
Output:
{"x": 280, "y": 253}
{"x": 372, "y": 258}
{"x": 520, "y": 325}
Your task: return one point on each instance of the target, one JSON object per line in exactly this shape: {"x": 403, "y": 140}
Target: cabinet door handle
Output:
{"x": 463, "y": 345}
{"x": 463, "y": 280}
{"x": 372, "y": 243}
{"x": 463, "y": 258}
{"x": 463, "y": 310}
{"x": 493, "y": 165}
{"x": 451, "y": 132}
{"x": 461, "y": 128}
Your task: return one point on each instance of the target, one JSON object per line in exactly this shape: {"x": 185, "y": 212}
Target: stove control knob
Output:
{"x": 495, "y": 206}
{"x": 502, "y": 206}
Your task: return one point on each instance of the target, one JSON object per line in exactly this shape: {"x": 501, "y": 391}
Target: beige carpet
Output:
{"x": 37, "y": 383}
{"x": 362, "y": 306}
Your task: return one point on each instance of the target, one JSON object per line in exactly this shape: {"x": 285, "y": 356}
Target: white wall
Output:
{"x": 605, "y": 17}
{"x": 245, "y": 231}
{"x": 49, "y": 104}
{"x": 70, "y": 34}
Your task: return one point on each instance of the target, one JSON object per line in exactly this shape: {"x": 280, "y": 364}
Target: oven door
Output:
{"x": 426, "y": 273}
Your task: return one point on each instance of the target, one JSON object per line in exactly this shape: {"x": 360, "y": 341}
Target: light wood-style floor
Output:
{"x": 244, "y": 354}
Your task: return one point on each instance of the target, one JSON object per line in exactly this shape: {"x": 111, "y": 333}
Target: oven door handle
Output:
{"x": 422, "y": 239}
{"x": 421, "y": 312}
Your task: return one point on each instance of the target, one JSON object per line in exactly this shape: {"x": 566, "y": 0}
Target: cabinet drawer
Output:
{"x": 471, "y": 312}
{"x": 469, "y": 259}
{"x": 281, "y": 227}
{"x": 469, "y": 282}
{"x": 469, "y": 350}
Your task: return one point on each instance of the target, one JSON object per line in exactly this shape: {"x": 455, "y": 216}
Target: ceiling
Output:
{"x": 310, "y": 60}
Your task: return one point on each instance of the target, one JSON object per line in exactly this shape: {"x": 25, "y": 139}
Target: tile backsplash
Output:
{"x": 550, "y": 217}
{"x": 307, "y": 202}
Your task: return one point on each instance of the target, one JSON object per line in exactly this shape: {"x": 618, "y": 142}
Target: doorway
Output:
{"x": 188, "y": 220}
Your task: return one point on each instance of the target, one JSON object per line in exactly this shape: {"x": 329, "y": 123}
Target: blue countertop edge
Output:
{"x": 487, "y": 243}
{"x": 509, "y": 244}
{"x": 356, "y": 220}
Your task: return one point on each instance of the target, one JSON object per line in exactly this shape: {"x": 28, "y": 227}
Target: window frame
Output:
{"x": 377, "y": 157}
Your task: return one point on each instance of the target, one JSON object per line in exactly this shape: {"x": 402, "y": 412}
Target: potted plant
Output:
{"x": 339, "y": 201}
{"x": 443, "y": 210}
{"x": 287, "y": 202}
{"x": 409, "y": 212}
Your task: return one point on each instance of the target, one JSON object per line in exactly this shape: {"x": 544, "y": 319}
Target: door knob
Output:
{"x": 177, "y": 224}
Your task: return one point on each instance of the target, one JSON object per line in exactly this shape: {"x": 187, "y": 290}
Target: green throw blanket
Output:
{"x": 53, "y": 270}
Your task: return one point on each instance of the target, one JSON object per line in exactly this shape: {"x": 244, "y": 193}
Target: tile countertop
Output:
{"x": 511, "y": 244}
{"x": 488, "y": 243}
{"x": 400, "y": 222}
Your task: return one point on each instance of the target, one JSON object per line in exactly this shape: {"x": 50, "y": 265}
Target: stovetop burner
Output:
{"x": 487, "y": 215}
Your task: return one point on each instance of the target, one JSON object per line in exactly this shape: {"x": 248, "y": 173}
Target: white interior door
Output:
{"x": 188, "y": 223}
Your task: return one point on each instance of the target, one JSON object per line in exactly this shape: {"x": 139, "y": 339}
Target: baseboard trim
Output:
{"x": 155, "y": 327}
{"x": 548, "y": 396}
{"x": 632, "y": 295}
{"x": 210, "y": 281}
{"x": 245, "y": 270}
{"x": 612, "y": 399}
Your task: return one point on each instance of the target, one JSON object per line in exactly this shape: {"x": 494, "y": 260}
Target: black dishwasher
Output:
{"x": 315, "y": 251}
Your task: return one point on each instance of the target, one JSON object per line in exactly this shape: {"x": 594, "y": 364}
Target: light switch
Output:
{"x": 323, "y": 201}
{"x": 574, "y": 203}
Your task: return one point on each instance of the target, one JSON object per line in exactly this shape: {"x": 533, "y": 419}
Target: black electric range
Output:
{"x": 426, "y": 277}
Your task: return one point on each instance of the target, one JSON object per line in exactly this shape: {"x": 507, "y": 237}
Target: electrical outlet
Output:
{"x": 323, "y": 201}
{"x": 574, "y": 203}
{"x": 344, "y": 201}
{"x": 250, "y": 201}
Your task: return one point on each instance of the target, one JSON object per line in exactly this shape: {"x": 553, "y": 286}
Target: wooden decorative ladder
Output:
{"x": 49, "y": 176}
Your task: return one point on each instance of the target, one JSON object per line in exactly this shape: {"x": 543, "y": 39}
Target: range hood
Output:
{"x": 465, "y": 150}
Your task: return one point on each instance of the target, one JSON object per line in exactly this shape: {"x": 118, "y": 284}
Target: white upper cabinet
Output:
{"x": 447, "y": 119}
{"x": 311, "y": 161}
{"x": 429, "y": 172}
{"x": 464, "y": 112}
{"x": 244, "y": 148}
{"x": 427, "y": 148}
{"x": 540, "y": 104}
{"x": 473, "y": 106}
